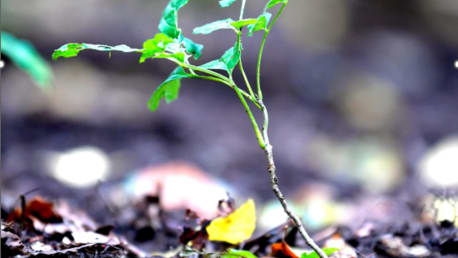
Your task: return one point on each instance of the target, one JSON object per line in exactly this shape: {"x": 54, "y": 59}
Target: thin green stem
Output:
{"x": 203, "y": 70}
{"x": 211, "y": 78}
{"x": 216, "y": 77}
{"x": 242, "y": 9}
{"x": 261, "y": 50}
{"x": 242, "y": 71}
{"x": 200, "y": 69}
{"x": 252, "y": 119}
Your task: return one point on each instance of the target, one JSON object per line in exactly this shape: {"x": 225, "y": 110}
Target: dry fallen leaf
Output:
{"x": 37, "y": 208}
{"x": 236, "y": 227}
{"x": 282, "y": 249}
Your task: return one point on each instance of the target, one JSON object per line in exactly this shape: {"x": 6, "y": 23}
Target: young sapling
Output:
{"x": 170, "y": 44}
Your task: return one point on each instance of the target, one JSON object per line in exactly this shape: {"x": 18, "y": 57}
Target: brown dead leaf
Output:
{"x": 36, "y": 208}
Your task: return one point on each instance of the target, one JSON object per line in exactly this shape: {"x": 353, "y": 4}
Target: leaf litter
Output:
{"x": 39, "y": 227}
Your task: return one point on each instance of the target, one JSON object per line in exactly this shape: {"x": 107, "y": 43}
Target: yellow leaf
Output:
{"x": 236, "y": 227}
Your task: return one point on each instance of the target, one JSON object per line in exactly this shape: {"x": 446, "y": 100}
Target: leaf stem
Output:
{"x": 252, "y": 119}
{"x": 261, "y": 50}
{"x": 242, "y": 71}
{"x": 242, "y": 9}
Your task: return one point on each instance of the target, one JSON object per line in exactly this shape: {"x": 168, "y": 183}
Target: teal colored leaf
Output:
{"x": 226, "y": 3}
{"x": 261, "y": 23}
{"x": 233, "y": 253}
{"x": 215, "y": 65}
{"x": 231, "y": 57}
{"x": 227, "y": 61}
{"x": 327, "y": 251}
{"x": 73, "y": 49}
{"x": 24, "y": 55}
{"x": 153, "y": 46}
{"x": 213, "y": 26}
{"x": 169, "y": 21}
{"x": 242, "y": 23}
{"x": 193, "y": 48}
{"x": 272, "y": 3}
{"x": 168, "y": 89}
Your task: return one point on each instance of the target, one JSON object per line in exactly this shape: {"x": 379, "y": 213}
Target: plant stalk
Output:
{"x": 251, "y": 116}
{"x": 261, "y": 50}
{"x": 268, "y": 150}
{"x": 242, "y": 71}
{"x": 242, "y": 9}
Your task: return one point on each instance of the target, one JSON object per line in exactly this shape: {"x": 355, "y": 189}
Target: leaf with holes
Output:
{"x": 72, "y": 49}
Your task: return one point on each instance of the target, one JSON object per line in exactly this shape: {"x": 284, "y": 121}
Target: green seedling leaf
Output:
{"x": 180, "y": 56}
{"x": 169, "y": 89}
{"x": 215, "y": 65}
{"x": 273, "y": 3}
{"x": 169, "y": 21}
{"x": 242, "y": 23}
{"x": 261, "y": 23}
{"x": 327, "y": 251}
{"x": 226, "y": 62}
{"x": 24, "y": 55}
{"x": 234, "y": 253}
{"x": 213, "y": 26}
{"x": 193, "y": 48}
{"x": 231, "y": 57}
{"x": 72, "y": 49}
{"x": 226, "y": 3}
{"x": 153, "y": 46}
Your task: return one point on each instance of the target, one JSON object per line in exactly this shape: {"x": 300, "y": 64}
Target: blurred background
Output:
{"x": 363, "y": 98}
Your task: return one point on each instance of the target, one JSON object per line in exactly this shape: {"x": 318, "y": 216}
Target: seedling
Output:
{"x": 172, "y": 45}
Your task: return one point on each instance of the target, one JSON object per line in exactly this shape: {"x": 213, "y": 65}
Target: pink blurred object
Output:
{"x": 180, "y": 185}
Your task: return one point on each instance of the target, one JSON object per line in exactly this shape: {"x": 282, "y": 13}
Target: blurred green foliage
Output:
{"x": 26, "y": 57}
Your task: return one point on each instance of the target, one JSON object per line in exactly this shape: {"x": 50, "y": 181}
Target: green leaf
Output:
{"x": 272, "y": 3}
{"x": 327, "y": 251}
{"x": 227, "y": 61}
{"x": 24, "y": 55}
{"x": 213, "y": 26}
{"x": 234, "y": 253}
{"x": 231, "y": 57}
{"x": 261, "y": 23}
{"x": 155, "y": 45}
{"x": 168, "y": 89}
{"x": 180, "y": 56}
{"x": 215, "y": 65}
{"x": 169, "y": 21}
{"x": 73, "y": 49}
{"x": 226, "y": 3}
{"x": 242, "y": 23}
{"x": 193, "y": 48}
